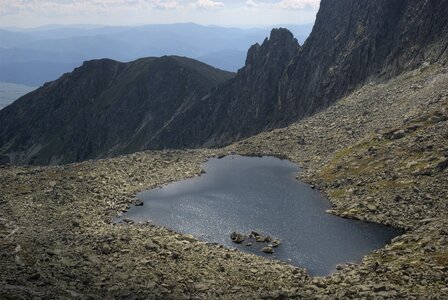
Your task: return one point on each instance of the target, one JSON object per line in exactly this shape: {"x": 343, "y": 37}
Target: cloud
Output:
{"x": 299, "y": 4}
{"x": 90, "y": 7}
{"x": 209, "y": 4}
{"x": 54, "y": 5}
{"x": 160, "y": 4}
{"x": 251, "y": 3}
{"x": 283, "y": 4}
{"x": 8, "y": 7}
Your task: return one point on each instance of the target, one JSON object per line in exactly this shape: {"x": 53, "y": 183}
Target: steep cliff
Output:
{"x": 352, "y": 42}
{"x": 355, "y": 41}
{"x": 243, "y": 106}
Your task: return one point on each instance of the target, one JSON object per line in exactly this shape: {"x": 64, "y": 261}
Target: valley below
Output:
{"x": 380, "y": 155}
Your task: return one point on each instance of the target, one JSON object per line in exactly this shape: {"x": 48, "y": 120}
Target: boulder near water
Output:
{"x": 237, "y": 237}
{"x": 268, "y": 250}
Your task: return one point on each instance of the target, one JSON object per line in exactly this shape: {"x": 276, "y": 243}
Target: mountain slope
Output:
{"x": 243, "y": 106}
{"x": 64, "y": 214}
{"x": 102, "y": 108}
{"x": 352, "y": 42}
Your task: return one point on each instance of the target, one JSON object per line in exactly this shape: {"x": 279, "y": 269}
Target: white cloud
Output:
{"x": 209, "y": 4}
{"x": 284, "y": 4}
{"x": 251, "y": 3}
{"x": 85, "y": 6}
{"x": 166, "y": 4}
{"x": 67, "y": 7}
{"x": 299, "y": 4}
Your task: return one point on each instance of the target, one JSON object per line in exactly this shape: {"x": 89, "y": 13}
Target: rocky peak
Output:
{"x": 277, "y": 50}
{"x": 352, "y": 42}
{"x": 243, "y": 106}
{"x": 97, "y": 67}
{"x": 281, "y": 35}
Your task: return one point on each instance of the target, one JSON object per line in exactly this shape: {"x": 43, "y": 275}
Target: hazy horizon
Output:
{"x": 25, "y": 14}
{"x": 94, "y": 26}
{"x": 34, "y": 56}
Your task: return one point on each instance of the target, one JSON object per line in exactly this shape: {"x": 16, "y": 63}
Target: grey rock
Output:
{"x": 442, "y": 165}
{"x": 237, "y": 237}
{"x": 276, "y": 243}
{"x": 267, "y": 250}
{"x": 151, "y": 246}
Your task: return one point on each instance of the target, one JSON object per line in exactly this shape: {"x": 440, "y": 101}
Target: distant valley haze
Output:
{"x": 30, "y": 57}
{"x": 37, "y": 55}
{"x": 41, "y": 40}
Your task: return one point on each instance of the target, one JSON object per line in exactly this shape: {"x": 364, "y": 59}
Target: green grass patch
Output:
{"x": 441, "y": 258}
{"x": 339, "y": 193}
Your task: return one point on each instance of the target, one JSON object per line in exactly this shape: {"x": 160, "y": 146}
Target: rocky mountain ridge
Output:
{"x": 242, "y": 106}
{"x": 352, "y": 43}
{"x": 102, "y": 108}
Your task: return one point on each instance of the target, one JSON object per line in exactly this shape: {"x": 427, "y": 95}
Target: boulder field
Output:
{"x": 379, "y": 154}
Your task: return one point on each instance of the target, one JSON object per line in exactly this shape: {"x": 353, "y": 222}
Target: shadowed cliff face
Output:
{"x": 243, "y": 106}
{"x": 102, "y": 108}
{"x": 352, "y": 42}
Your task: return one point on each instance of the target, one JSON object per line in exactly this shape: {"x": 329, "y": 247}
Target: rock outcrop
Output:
{"x": 243, "y": 106}
{"x": 352, "y": 42}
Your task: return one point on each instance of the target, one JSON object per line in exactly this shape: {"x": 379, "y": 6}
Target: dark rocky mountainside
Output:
{"x": 243, "y": 106}
{"x": 102, "y": 108}
{"x": 352, "y": 42}
{"x": 107, "y": 108}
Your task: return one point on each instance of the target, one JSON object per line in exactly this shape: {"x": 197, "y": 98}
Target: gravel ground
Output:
{"x": 379, "y": 155}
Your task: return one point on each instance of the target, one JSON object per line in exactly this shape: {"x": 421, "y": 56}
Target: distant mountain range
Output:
{"x": 37, "y": 55}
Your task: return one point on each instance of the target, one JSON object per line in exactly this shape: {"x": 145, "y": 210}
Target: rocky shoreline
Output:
{"x": 268, "y": 243}
{"x": 378, "y": 154}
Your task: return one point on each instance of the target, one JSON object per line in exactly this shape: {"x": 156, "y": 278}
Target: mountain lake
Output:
{"x": 261, "y": 194}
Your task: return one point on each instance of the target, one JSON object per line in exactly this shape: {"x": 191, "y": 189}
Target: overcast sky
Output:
{"x": 244, "y": 13}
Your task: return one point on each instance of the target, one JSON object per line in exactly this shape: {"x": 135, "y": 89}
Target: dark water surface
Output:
{"x": 246, "y": 193}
